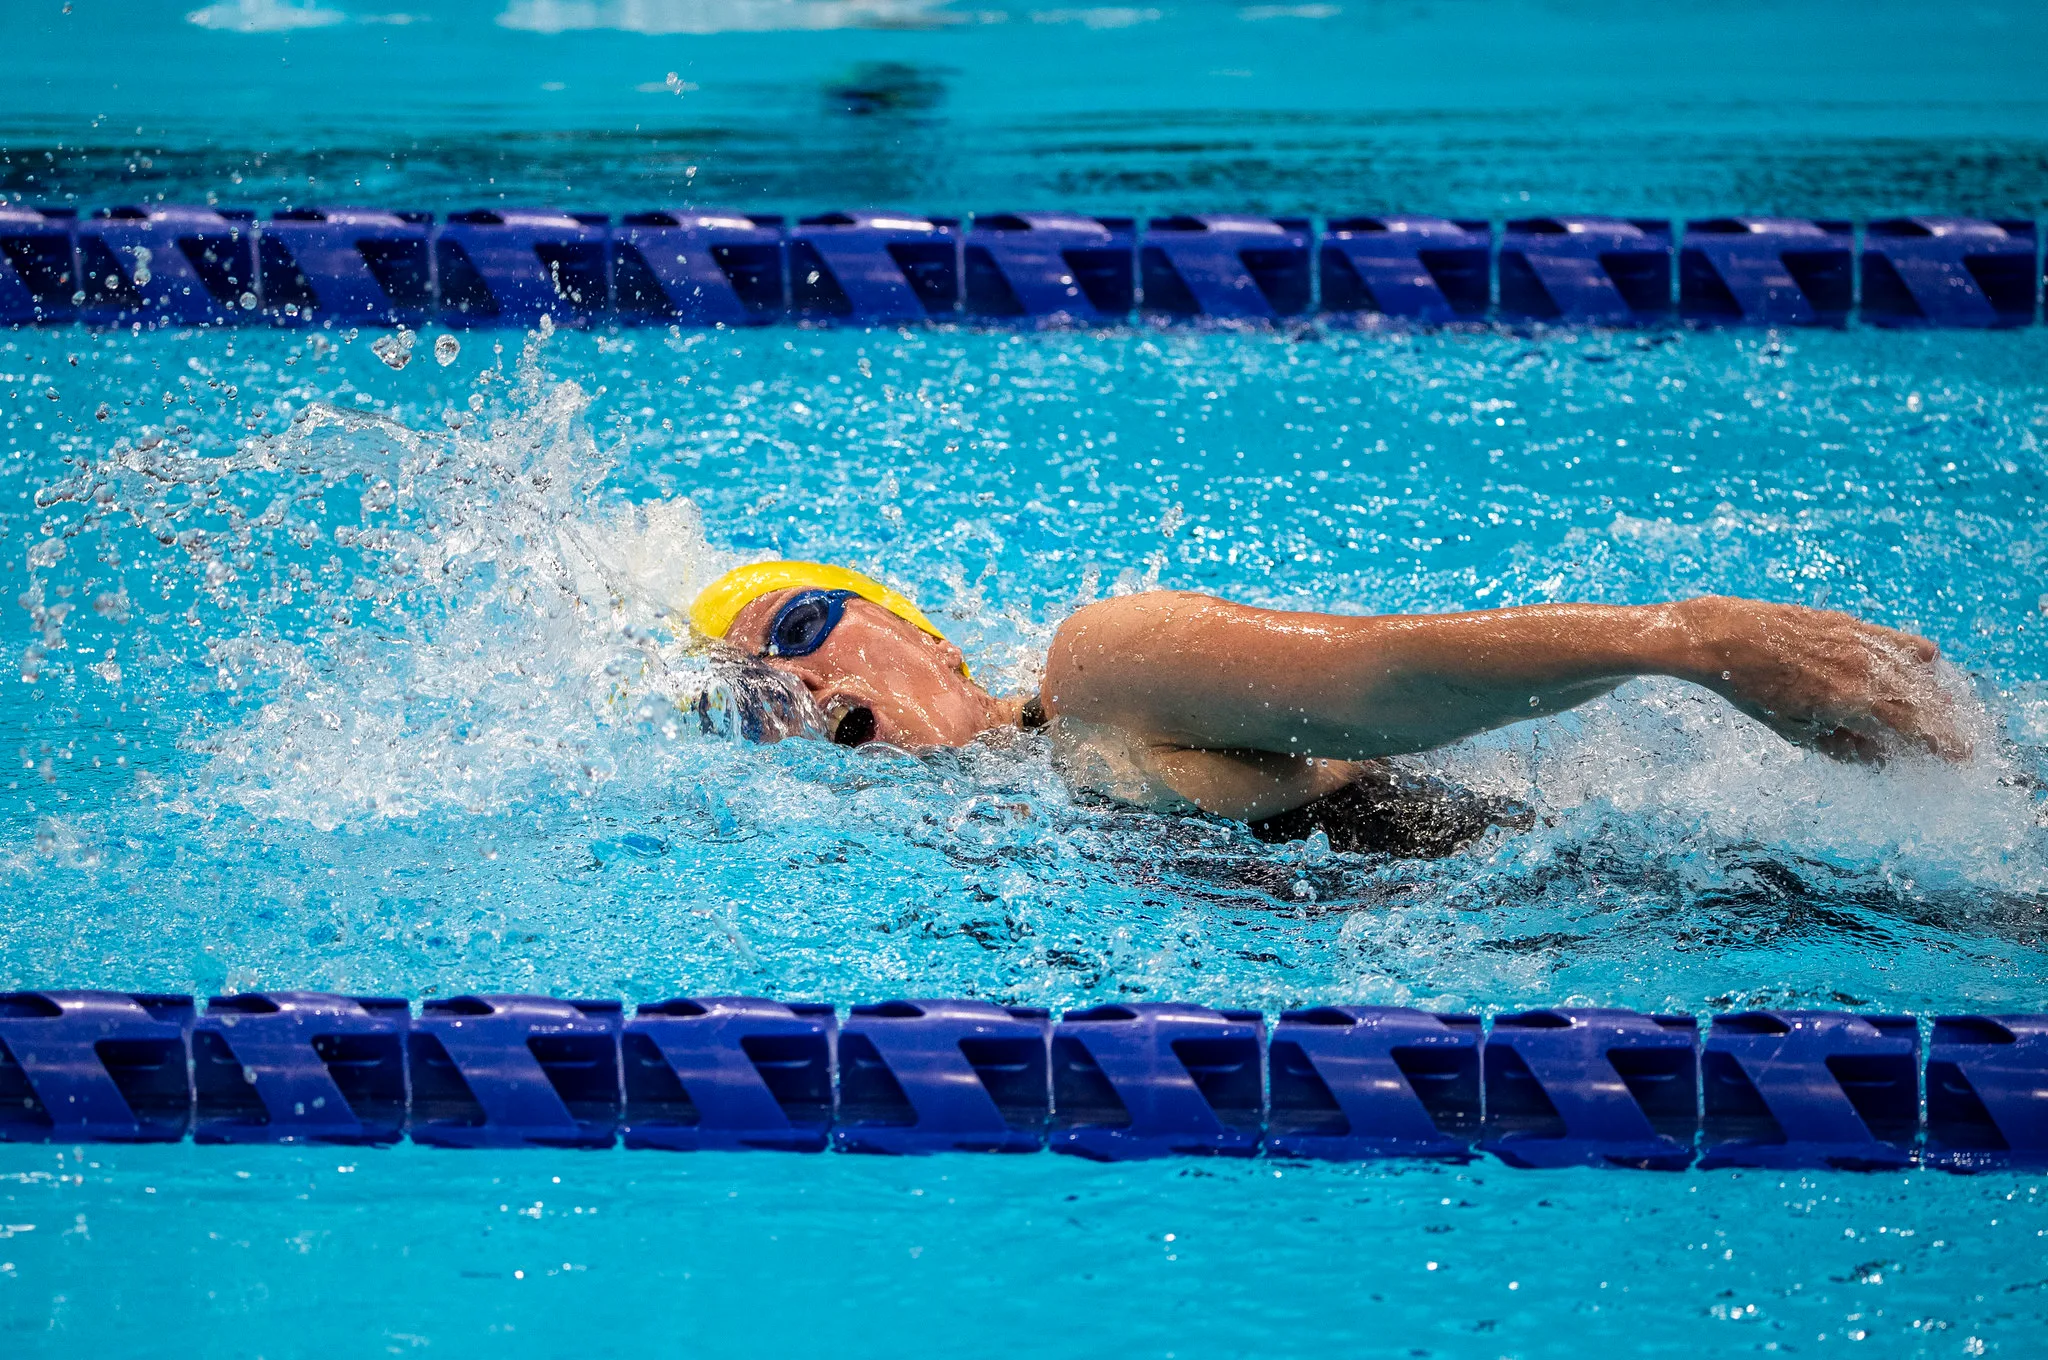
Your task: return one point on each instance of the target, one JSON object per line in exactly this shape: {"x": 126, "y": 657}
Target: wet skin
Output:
{"x": 910, "y": 680}
{"x": 1175, "y": 700}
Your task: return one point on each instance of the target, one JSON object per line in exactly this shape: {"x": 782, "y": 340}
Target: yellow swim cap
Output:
{"x": 719, "y": 603}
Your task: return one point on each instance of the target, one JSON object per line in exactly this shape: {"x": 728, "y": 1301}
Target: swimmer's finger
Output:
{"x": 1835, "y": 739}
{"x": 1930, "y": 725}
{"x": 1866, "y": 738}
{"x": 1847, "y": 745}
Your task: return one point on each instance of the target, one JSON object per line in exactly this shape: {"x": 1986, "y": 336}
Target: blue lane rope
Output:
{"x": 195, "y": 266}
{"x": 1541, "y": 1088}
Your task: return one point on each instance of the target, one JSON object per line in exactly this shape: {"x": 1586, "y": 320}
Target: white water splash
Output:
{"x": 505, "y": 631}
{"x": 1099, "y": 16}
{"x": 1667, "y": 770}
{"x": 489, "y": 622}
{"x": 265, "y": 16}
{"x": 542, "y": 625}
{"x": 658, "y": 17}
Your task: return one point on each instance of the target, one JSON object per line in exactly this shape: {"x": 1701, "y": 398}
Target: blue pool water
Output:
{"x": 324, "y": 673}
{"x": 361, "y": 702}
{"x": 1462, "y": 107}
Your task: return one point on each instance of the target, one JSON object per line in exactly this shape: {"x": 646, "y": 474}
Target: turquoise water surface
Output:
{"x": 329, "y": 674}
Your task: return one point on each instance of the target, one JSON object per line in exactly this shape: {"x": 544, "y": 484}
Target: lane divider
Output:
{"x": 200, "y": 266}
{"x": 1547, "y": 1088}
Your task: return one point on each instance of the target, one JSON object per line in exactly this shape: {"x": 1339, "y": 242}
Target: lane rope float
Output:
{"x": 200, "y": 266}
{"x": 1545, "y": 1088}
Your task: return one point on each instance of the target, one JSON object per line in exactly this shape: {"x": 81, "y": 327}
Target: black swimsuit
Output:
{"x": 1390, "y": 811}
{"x": 1384, "y": 811}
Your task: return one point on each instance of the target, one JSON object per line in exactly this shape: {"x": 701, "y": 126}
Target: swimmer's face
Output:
{"x": 907, "y": 678}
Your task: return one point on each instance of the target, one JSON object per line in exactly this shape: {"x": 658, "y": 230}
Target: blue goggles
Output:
{"x": 805, "y": 620}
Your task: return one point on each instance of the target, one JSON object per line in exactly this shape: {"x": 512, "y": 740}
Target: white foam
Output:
{"x": 503, "y": 623}
{"x": 1674, "y": 769}
{"x": 1260, "y": 13}
{"x": 510, "y": 627}
{"x": 1099, "y": 16}
{"x": 659, "y": 17}
{"x": 265, "y": 16}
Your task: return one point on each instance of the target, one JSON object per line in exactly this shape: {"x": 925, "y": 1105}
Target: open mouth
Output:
{"x": 849, "y": 723}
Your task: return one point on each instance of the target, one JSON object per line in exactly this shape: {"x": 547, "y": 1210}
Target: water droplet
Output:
{"x": 546, "y": 327}
{"x": 103, "y": 412}
{"x": 445, "y": 350}
{"x": 248, "y": 301}
{"x": 1727, "y": 675}
{"x": 394, "y": 353}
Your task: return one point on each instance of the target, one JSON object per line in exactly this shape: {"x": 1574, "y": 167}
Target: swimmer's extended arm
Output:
{"x": 1191, "y": 672}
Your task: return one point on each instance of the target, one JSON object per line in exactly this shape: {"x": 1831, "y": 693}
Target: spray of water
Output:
{"x": 481, "y": 620}
{"x": 420, "y": 635}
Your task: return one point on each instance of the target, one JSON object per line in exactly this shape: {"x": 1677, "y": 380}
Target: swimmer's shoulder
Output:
{"x": 1146, "y": 608}
{"x": 1115, "y": 644}
{"x": 1127, "y": 620}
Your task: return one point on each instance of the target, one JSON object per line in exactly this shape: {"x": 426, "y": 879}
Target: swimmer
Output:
{"x": 1181, "y": 702}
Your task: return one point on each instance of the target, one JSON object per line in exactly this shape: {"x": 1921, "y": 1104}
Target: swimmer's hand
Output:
{"x": 1851, "y": 690}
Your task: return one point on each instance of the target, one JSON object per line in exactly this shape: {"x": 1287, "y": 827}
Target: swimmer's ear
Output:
{"x": 955, "y": 658}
